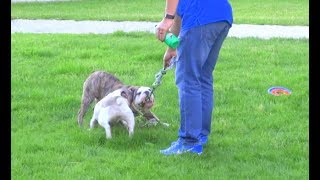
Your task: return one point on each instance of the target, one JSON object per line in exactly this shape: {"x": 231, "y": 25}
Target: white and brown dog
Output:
{"x": 114, "y": 108}
{"x": 99, "y": 84}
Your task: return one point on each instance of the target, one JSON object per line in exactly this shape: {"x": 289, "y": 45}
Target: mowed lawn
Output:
{"x": 254, "y": 135}
{"x": 281, "y": 12}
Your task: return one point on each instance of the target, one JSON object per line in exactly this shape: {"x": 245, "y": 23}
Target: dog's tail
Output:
{"x": 86, "y": 100}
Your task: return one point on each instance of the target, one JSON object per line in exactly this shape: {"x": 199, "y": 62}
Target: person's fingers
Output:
{"x": 165, "y": 64}
{"x": 167, "y": 59}
{"x": 160, "y": 34}
{"x": 161, "y": 31}
{"x": 172, "y": 53}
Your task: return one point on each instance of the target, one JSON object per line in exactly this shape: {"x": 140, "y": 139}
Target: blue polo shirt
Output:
{"x": 200, "y": 12}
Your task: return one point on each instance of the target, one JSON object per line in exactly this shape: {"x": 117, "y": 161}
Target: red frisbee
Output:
{"x": 278, "y": 90}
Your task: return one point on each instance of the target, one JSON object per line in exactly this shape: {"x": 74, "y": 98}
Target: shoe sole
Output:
{"x": 182, "y": 152}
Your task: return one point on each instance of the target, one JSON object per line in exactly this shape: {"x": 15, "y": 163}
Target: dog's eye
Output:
{"x": 138, "y": 93}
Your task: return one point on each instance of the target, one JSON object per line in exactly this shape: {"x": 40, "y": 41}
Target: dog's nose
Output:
{"x": 147, "y": 93}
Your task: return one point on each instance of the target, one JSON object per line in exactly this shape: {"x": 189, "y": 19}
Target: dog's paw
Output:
{"x": 152, "y": 122}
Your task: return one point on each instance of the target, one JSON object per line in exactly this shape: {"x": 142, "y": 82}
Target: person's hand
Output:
{"x": 168, "y": 55}
{"x": 163, "y": 27}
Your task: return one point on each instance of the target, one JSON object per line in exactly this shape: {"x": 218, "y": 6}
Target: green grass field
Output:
{"x": 254, "y": 135}
{"x": 282, "y": 12}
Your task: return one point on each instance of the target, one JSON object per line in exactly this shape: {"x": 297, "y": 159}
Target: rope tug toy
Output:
{"x": 160, "y": 74}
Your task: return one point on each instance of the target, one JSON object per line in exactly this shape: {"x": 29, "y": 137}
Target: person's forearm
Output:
{"x": 171, "y": 6}
{"x": 175, "y": 28}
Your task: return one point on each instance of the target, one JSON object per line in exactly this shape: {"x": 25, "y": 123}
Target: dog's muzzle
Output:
{"x": 148, "y": 101}
{"x": 149, "y": 94}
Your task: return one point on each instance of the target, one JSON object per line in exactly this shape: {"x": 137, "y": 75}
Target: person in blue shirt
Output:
{"x": 202, "y": 26}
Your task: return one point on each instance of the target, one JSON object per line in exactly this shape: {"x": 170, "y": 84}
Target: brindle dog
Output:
{"x": 100, "y": 83}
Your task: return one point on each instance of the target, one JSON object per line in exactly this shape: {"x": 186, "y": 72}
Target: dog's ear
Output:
{"x": 124, "y": 93}
{"x": 133, "y": 89}
{"x": 129, "y": 93}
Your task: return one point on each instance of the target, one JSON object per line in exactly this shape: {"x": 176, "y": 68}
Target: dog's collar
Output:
{"x": 137, "y": 109}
